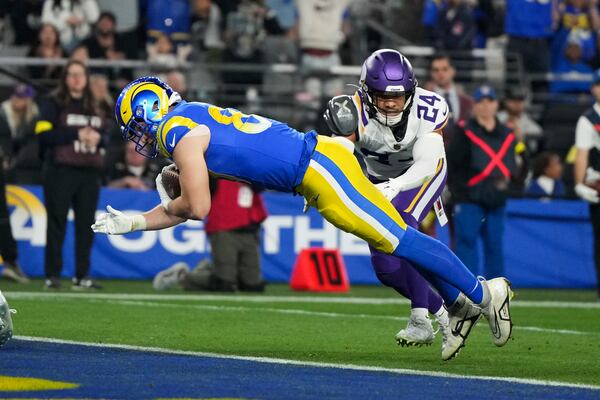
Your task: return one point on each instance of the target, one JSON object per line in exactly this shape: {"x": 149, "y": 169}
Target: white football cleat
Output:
{"x": 463, "y": 317}
{"x": 497, "y": 312}
{"x": 418, "y": 332}
{"x": 170, "y": 277}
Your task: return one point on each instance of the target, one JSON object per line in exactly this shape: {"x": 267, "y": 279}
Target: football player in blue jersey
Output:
{"x": 202, "y": 138}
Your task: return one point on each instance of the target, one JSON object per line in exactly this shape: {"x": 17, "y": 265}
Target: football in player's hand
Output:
{"x": 170, "y": 181}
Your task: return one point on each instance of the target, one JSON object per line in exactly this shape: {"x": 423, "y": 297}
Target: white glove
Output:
{"x": 389, "y": 188}
{"x": 114, "y": 222}
{"x": 591, "y": 175}
{"x": 165, "y": 200}
{"x": 587, "y": 193}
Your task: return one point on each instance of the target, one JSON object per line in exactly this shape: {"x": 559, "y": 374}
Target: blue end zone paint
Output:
{"x": 127, "y": 374}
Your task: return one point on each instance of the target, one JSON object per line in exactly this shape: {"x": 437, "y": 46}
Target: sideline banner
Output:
{"x": 547, "y": 244}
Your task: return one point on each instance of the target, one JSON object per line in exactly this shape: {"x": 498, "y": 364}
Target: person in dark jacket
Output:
{"x": 71, "y": 131}
{"x": 481, "y": 163}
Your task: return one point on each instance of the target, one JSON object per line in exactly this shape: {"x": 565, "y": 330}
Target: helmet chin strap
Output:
{"x": 397, "y": 119}
{"x": 399, "y": 130}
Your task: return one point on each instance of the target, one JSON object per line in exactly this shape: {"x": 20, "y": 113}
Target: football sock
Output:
{"x": 437, "y": 260}
{"x": 419, "y": 313}
{"x": 442, "y": 315}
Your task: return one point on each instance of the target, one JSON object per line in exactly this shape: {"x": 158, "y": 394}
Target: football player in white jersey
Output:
{"x": 397, "y": 127}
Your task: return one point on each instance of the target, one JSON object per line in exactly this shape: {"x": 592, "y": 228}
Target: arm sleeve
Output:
{"x": 91, "y": 11}
{"x": 427, "y": 152}
{"x": 584, "y": 134}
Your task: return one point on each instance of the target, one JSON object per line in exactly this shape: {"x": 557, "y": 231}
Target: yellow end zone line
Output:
{"x": 268, "y": 360}
{"x": 275, "y": 299}
{"x": 20, "y": 384}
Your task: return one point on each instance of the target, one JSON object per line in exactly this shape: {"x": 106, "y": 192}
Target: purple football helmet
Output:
{"x": 387, "y": 73}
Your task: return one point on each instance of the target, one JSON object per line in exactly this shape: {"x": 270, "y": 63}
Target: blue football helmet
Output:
{"x": 140, "y": 109}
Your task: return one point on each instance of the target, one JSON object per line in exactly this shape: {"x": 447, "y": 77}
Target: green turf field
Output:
{"x": 556, "y": 335}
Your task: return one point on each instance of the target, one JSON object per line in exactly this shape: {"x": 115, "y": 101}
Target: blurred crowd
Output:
{"x": 314, "y": 34}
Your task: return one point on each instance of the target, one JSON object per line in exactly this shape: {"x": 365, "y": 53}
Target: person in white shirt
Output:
{"x": 73, "y": 19}
{"x": 587, "y": 165}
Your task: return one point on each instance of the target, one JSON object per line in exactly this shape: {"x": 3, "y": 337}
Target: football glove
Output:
{"x": 114, "y": 222}
{"x": 587, "y": 193}
{"x": 165, "y": 200}
{"x": 389, "y": 188}
{"x": 341, "y": 115}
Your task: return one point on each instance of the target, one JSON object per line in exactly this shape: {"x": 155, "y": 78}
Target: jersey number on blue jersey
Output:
{"x": 251, "y": 124}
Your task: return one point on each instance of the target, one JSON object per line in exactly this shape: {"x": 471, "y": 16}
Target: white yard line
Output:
{"x": 402, "y": 371}
{"x": 317, "y": 314}
{"x": 246, "y": 309}
{"x": 276, "y": 299}
{"x": 146, "y": 301}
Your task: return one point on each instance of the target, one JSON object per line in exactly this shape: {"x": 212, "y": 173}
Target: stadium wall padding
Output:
{"x": 547, "y": 243}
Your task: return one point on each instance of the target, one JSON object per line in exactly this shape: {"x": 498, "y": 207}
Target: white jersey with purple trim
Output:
{"x": 384, "y": 156}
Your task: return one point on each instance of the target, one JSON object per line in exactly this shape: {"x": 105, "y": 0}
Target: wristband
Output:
{"x": 138, "y": 223}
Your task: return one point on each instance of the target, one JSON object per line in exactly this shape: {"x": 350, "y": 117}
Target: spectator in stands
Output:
{"x": 455, "y": 28}
{"x": 528, "y": 135}
{"x": 80, "y": 53}
{"x": 162, "y": 53}
{"x": 321, "y": 29}
{"x": 105, "y": 105}
{"x": 515, "y": 116}
{"x": 47, "y": 46}
{"x": 101, "y": 94}
{"x": 25, "y": 17}
{"x": 244, "y": 35}
{"x": 104, "y": 43}
{"x": 429, "y": 19}
{"x": 574, "y": 18}
{"x": 546, "y": 181}
{"x": 206, "y": 23}
{"x": 71, "y": 134}
{"x": 570, "y": 70}
{"x": 16, "y": 117}
{"x": 491, "y": 26}
{"x": 480, "y": 166}
{"x": 280, "y": 20}
{"x": 168, "y": 27}
{"x": 17, "y": 140}
{"x": 128, "y": 12}
{"x": 132, "y": 171}
{"x": 442, "y": 74}
{"x": 232, "y": 226}
{"x": 178, "y": 82}
{"x": 8, "y": 246}
{"x": 529, "y": 25}
{"x": 587, "y": 166}
{"x": 73, "y": 18}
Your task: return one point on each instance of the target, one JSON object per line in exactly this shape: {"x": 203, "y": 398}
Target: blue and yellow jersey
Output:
{"x": 251, "y": 148}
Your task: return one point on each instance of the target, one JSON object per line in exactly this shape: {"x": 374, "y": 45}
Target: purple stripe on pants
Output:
{"x": 398, "y": 273}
